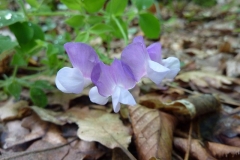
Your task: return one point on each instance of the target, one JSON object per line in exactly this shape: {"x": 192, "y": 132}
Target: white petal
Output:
{"x": 123, "y": 96}
{"x": 173, "y": 64}
{"x": 70, "y": 80}
{"x": 156, "y": 72}
{"x": 96, "y": 97}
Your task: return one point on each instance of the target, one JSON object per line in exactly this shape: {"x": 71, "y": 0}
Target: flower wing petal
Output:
{"x": 156, "y": 72}
{"x": 82, "y": 56}
{"x": 173, "y": 64}
{"x": 135, "y": 56}
{"x": 70, "y": 80}
{"x": 154, "y": 51}
{"x": 96, "y": 97}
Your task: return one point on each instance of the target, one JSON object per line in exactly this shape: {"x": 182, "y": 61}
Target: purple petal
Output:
{"x": 154, "y": 51}
{"x": 138, "y": 39}
{"x": 70, "y": 80}
{"x": 173, "y": 64}
{"x": 102, "y": 77}
{"x": 156, "y": 72}
{"x": 82, "y": 56}
{"x": 123, "y": 75}
{"x": 96, "y": 97}
{"x": 136, "y": 57}
{"x": 123, "y": 96}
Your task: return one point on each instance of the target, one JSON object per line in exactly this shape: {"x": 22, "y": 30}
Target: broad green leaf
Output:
{"x": 23, "y": 32}
{"x": 73, "y": 4}
{"x": 101, "y": 28}
{"x": 93, "y": 6}
{"x": 8, "y": 17}
{"x": 143, "y": 4}
{"x": 6, "y": 43}
{"x": 150, "y": 25}
{"x": 82, "y": 37}
{"x": 76, "y": 21}
{"x": 14, "y": 88}
{"x": 27, "y": 33}
{"x": 116, "y": 7}
{"x": 38, "y": 96}
{"x": 33, "y": 3}
{"x": 120, "y": 28}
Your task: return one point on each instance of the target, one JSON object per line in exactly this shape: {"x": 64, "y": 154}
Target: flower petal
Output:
{"x": 123, "y": 96}
{"x": 96, "y": 97}
{"x": 82, "y": 56}
{"x": 135, "y": 56}
{"x": 138, "y": 39}
{"x": 123, "y": 75}
{"x": 156, "y": 72}
{"x": 102, "y": 77}
{"x": 70, "y": 80}
{"x": 154, "y": 51}
{"x": 173, "y": 64}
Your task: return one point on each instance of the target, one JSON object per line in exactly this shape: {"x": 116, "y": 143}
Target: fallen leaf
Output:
{"x": 54, "y": 135}
{"x": 94, "y": 125}
{"x": 13, "y": 110}
{"x": 191, "y": 107}
{"x": 153, "y": 131}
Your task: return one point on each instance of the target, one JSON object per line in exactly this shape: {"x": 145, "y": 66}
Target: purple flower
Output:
{"x": 154, "y": 52}
{"x": 138, "y": 59}
{"x": 83, "y": 59}
{"x": 112, "y": 81}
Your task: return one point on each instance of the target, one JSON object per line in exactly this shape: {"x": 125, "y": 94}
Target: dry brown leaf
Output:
{"x": 94, "y": 125}
{"x": 118, "y": 154}
{"x": 153, "y": 132}
{"x": 54, "y": 135}
{"x": 197, "y": 149}
{"x": 191, "y": 107}
{"x": 13, "y": 110}
{"x": 15, "y": 134}
{"x": 233, "y": 68}
{"x": 205, "y": 79}
{"x": 221, "y": 151}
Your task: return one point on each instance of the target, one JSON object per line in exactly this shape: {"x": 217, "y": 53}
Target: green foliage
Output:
{"x": 146, "y": 20}
{"x": 37, "y": 38}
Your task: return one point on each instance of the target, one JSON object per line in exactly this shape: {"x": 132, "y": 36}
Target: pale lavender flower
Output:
{"x": 112, "y": 81}
{"x": 83, "y": 59}
{"x": 154, "y": 52}
{"x": 136, "y": 56}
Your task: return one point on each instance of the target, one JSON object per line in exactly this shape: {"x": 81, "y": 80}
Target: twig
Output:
{"x": 35, "y": 151}
{"x": 189, "y": 142}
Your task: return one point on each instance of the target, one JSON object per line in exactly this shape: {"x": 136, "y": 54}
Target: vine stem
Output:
{"x": 121, "y": 30}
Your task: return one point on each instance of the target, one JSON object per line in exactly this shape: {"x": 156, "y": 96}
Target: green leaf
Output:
{"x": 33, "y": 3}
{"x": 92, "y": 19}
{"x": 8, "y": 17}
{"x": 82, "y": 37}
{"x": 42, "y": 84}
{"x": 6, "y": 43}
{"x": 143, "y": 4}
{"x": 19, "y": 59}
{"x": 75, "y": 21}
{"x": 73, "y": 4}
{"x": 150, "y": 25}
{"x": 27, "y": 33}
{"x": 93, "y": 6}
{"x": 100, "y": 28}
{"x": 116, "y": 7}
{"x": 120, "y": 28}
{"x": 23, "y": 32}
{"x": 38, "y": 96}
{"x": 14, "y": 88}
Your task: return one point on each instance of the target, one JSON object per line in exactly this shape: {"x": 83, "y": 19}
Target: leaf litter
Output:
{"x": 205, "y": 93}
